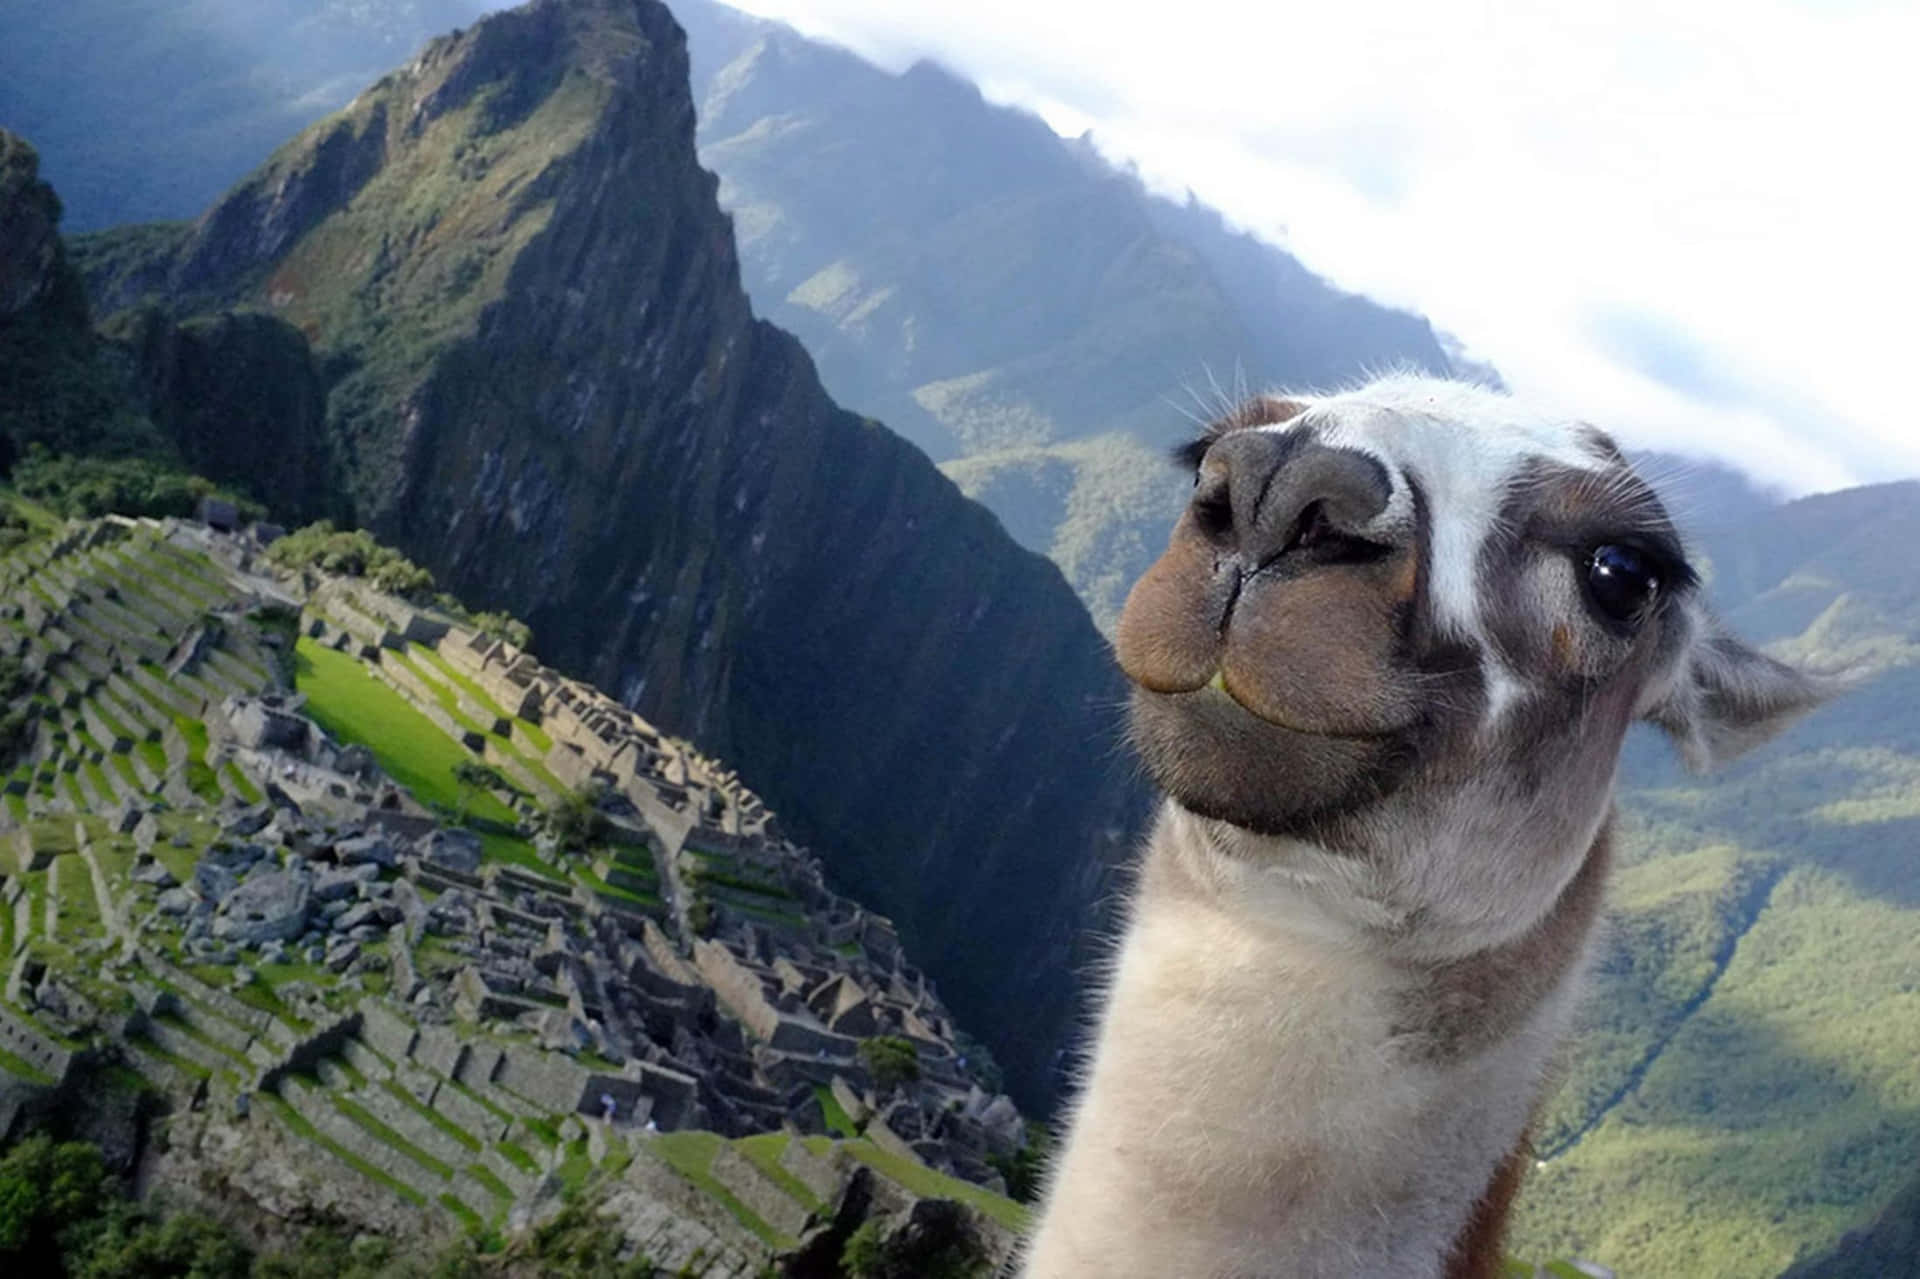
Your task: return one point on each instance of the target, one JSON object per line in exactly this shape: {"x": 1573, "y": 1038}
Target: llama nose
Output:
{"x": 1263, "y": 493}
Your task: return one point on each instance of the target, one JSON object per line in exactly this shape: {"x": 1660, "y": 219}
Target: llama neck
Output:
{"x": 1271, "y": 1094}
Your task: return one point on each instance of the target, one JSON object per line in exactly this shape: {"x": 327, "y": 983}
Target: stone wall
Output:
{"x": 254, "y": 1019}
{"x": 823, "y": 1175}
{"x": 415, "y": 1127}
{"x": 549, "y": 1080}
{"x": 20, "y": 1038}
{"x": 314, "y": 1106}
{"x": 392, "y": 1036}
{"x": 469, "y": 1115}
{"x": 306, "y": 1054}
{"x": 758, "y": 1192}
{"x": 738, "y": 987}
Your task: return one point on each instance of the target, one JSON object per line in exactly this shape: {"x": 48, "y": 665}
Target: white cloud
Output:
{"x": 1688, "y": 222}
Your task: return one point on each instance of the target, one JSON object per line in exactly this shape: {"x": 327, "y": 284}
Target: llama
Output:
{"x": 1382, "y": 674}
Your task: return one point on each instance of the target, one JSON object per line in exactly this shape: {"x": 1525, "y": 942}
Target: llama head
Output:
{"x": 1415, "y": 622}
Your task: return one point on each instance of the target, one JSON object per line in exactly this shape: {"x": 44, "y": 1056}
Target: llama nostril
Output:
{"x": 1310, "y": 529}
{"x": 1212, "y": 506}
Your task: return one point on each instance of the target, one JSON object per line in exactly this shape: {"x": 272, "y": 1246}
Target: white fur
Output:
{"x": 1252, "y": 1110}
{"x": 1465, "y": 446}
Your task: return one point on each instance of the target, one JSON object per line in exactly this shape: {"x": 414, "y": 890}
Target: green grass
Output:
{"x": 468, "y": 1217}
{"x": 834, "y": 1115}
{"x": 21, "y": 1068}
{"x": 353, "y": 706}
{"x": 535, "y": 735}
{"x": 691, "y": 1155}
{"x": 238, "y": 782}
{"x": 448, "y": 699}
{"x": 928, "y": 1184}
{"x": 485, "y": 1176}
{"x": 461, "y": 680}
{"x": 477, "y": 1100}
{"x": 123, "y": 764}
{"x": 519, "y": 1158}
{"x": 515, "y": 851}
{"x": 306, "y": 1131}
{"x": 194, "y": 1033}
{"x": 764, "y": 1152}
{"x": 192, "y": 1069}
{"x": 574, "y": 1167}
{"x": 641, "y": 901}
{"x": 200, "y": 778}
{"x": 366, "y": 1119}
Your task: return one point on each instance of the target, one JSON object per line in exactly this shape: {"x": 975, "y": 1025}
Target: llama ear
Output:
{"x": 1728, "y": 697}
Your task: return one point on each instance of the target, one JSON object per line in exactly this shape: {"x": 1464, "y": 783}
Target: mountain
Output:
{"x": 153, "y": 399}
{"x": 149, "y": 111}
{"x": 546, "y": 385}
{"x": 1009, "y": 301}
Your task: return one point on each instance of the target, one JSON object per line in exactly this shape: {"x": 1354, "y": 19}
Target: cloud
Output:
{"x": 1545, "y": 181}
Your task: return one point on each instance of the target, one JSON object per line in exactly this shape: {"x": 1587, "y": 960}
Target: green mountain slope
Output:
{"x": 150, "y": 110}
{"x": 1745, "y": 1088}
{"x": 546, "y": 385}
{"x": 1007, "y": 300}
{"x": 234, "y": 398}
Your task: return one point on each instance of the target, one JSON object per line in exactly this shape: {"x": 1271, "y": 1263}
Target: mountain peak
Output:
{"x": 546, "y": 385}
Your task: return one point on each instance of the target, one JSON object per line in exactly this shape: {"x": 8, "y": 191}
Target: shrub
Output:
{"x": 892, "y": 1060}
{"x": 576, "y": 821}
{"x": 86, "y": 487}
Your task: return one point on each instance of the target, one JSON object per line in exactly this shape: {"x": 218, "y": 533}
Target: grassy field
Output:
{"x": 353, "y": 706}
{"x": 691, "y": 1155}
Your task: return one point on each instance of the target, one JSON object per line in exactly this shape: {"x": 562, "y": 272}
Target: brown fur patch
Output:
{"x": 1470, "y": 1003}
{"x": 1563, "y": 654}
{"x": 1479, "y": 1251}
{"x": 1261, "y": 410}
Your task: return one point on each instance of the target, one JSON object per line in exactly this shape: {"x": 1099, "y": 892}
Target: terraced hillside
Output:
{"x": 387, "y": 920}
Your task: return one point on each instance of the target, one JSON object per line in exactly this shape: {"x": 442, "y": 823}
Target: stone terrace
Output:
{"x": 198, "y": 882}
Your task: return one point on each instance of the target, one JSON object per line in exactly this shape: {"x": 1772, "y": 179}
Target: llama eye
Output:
{"x": 1623, "y": 583}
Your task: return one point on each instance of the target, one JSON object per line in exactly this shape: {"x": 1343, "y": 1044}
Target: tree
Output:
{"x": 576, "y": 820}
{"x": 892, "y": 1060}
{"x": 44, "y": 1189}
{"x": 474, "y": 777}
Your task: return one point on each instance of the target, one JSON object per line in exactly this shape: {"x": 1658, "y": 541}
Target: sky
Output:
{"x": 1688, "y": 223}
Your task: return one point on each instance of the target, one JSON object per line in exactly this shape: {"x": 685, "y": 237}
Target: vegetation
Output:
{"x": 62, "y": 1214}
{"x": 352, "y": 553}
{"x": 1025, "y": 1169}
{"x": 82, "y": 487}
{"x": 352, "y": 706}
{"x": 892, "y": 1060}
{"x": 16, "y": 714}
{"x": 355, "y": 553}
{"x": 474, "y": 778}
{"x": 575, "y": 820}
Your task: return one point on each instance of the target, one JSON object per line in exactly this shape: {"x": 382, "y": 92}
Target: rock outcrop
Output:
{"x": 548, "y": 387}
{"x": 29, "y": 227}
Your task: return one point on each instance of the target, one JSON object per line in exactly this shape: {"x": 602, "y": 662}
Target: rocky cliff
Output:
{"x": 547, "y": 385}
{"x": 169, "y": 394}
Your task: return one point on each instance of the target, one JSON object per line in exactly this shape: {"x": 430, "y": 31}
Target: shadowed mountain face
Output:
{"x": 547, "y": 386}
{"x": 1005, "y": 299}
